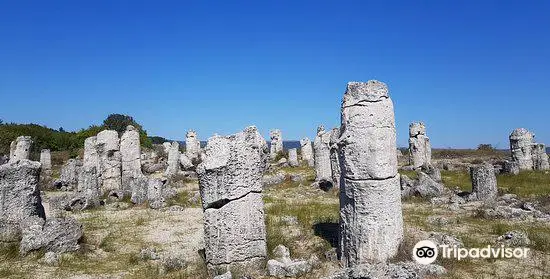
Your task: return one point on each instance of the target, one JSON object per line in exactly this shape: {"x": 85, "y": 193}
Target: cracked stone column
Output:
{"x": 334, "y": 159}
{"x": 230, "y": 182}
{"x": 20, "y": 148}
{"x": 371, "y": 221}
{"x": 540, "y": 158}
{"x": 192, "y": 145}
{"x": 276, "y": 143}
{"x": 521, "y": 141}
{"x": 293, "y": 157}
{"x": 108, "y": 148}
{"x": 90, "y": 159}
{"x": 173, "y": 159}
{"x": 321, "y": 145}
{"x": 130, "y": 150}
{"x": 307, "y": 151}
{"x": 484, "y": 182}
{"x": 46, "y": 162}
{"x": 420, "y": 149}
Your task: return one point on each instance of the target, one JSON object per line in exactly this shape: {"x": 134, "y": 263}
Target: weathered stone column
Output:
{"x": 334, "y": 157}
{"x": 371, "y": 221}
{"x": 90, "y": 159}
{"x": 540, "y": 158}
{"x": 130, "y": 150}
{"x": 307, "y": 151}
{"x": 321, "y": 145}
{"x": 173, "y": 159}
{"x": 276, "y": 143}
{"x": 230, "y": 181}
{"x": 484, "y": 182}
{"x": 192, "y": 145}
{"x": 293, "y": 157}
{"x": 108, "y": 148}
{"x": 70, "y": 173}
{"x": 420, "y": 149}
{"x": 521, "y": 141}
{"x": 20, "y": 148}
{"x": 46, "y": 160}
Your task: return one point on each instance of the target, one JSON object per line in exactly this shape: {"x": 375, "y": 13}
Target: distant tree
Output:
{"x": 61, "y": 130}
{"x": 485, "y": 147}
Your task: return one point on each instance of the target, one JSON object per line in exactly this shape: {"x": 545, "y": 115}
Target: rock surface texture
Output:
{"x": 230, "y": 181}
{"x": 371, "y": 222}
{"x": 420, "y": 149}
{"x": 20, "y": 148}
{"x": 276, "y": 143}
{"x": 521, "y": 141}
{"x": 108, "y": 149}
{"x": 306, "y": 150}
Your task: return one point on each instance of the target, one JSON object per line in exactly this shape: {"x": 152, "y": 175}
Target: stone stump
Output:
{"x": 20, "y": 149}
{"x": 293, "y": 157}
{"x": 276, "y": 143}
{"x": 307, "y": 152}
{"x": 484, "y": 182}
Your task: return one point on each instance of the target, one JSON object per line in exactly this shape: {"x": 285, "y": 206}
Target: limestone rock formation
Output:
{"x": 371, "y": 221}
{"x": 230, "y": 181}
{"x": 20, "y": 148}
{"x": 70, "y": 172}
{"x": 130, "y": 150}
{"x": 334, "y": 157}
{"x": 540, "y": 158}
{"x": 46, "y": 168}
{"x": 108, "y": 149}
{"x": 420, "y": 149}
{"x": 484, "y": 182}
{"x": 521, "y": 141}
{"x": 166, "y": 146}
{"x": 155, "y": 193}
{"x": 321, "y": 145}
{"x": 173, "y": 159}
{"x": 307, "y": 152}
{"x": 192, "y": 145}
{"x": 283, "y": 266}
{"x": 293, "y": 157}
{"x": 276, "y": 143}
{"x": 57, "y": 235}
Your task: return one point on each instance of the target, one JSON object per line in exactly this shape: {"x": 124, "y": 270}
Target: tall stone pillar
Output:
{"x": 276, "y": 143}
{"x": 521, "y": 141}
{"x": 420, "y": 149}
{"x": 321, "y": 145}
{"x": 307, "y": 151}
{"x": 192, "y": 145}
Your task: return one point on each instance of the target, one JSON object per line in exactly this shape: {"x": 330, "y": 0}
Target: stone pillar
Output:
{"x": 420, "y": 149}
{"x": 293, "y": 157}
{"x": 276, "y": 143}
{"x": 540, "y": 158}
{"x": 70, "y": 172}
{"x": 334, "y": 157}
{"x": 307, "y": 151}
{"x": 321, "y": 145}
{"x": 19, "y": 193}
{"x": 192, "y": 145}
{"x": 46, "y": 160}
{"x": 154, "y": 193}
{"x": 20, "y": 148}
{"x": 90, "y": 159}
{"x": 108, "y": 149}
{"x": 484, "y": 182}
{"x": 230, "y": 182}
{"x": 166, "y": 146}
{"x": 130, "y": 150}
{"x": 173, "y": 159}
{"x": 371, "y": 221}
{"x": 521, "y": 141}
{"x": 89, "y": 186}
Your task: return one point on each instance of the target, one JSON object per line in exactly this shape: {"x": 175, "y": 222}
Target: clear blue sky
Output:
{"x": 471, "y": 70}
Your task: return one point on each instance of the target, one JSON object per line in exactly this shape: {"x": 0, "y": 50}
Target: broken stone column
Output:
{"x": 293, "y": 157}
{"x": 307, "y": 151}
{"x": 371, "y": 221}
{"x": 321, "y": 145}
{"x": 521, "y": 141}
{"x": 173, "y": 159}
{"x": 420, "y": 149}
{"x": 20, "y": 148}
{"x": 276, "y": 143}
{"x": 230, "y": 182}
{"x": 540, "y": 158}
{"x": 19, "y": 193}
{"x": 192, "y": 146}
{"x": 484, "y": 182}
{"x": 108, "y": 149}
{"x": 334, "y": 160}
{"x": 130, "y": 150}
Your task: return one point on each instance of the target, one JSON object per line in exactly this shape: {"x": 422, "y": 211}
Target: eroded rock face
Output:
{"x": 484, "y": 182}
{"x": 192, "y": 145}
{"x": 321, "y": 145}
{"x": 230, "y": 181}
{"x": 155, "y": 193}
{"x": 540, "y": 158}
{"x": 293, "y": 157}
{"x": 108, "y": 149}
{"x": 371, "y": 222}
{"x": 276, "y": 143}
{"x": 307, "y": 151}
{"x": 130, "y": 150}
{"x": 420, "y": 149}
{"x": 521, "y": 141}
{"x": 70, "y": 173}
{"x": 173, "y": 159}
{"x": 19, "y": 193}
{"x": 57, "y": 235}
{"x": 20, "y": 148}
{"x": 334, "y": 159}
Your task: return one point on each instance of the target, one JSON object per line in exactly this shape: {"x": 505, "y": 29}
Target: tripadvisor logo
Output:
{"x": 426, "y": 252}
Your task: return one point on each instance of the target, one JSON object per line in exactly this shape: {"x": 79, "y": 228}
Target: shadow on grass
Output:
{"x": 327, "y": 231}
